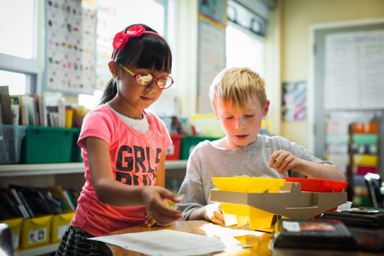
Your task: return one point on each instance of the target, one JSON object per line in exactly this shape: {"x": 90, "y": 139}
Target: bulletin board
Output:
{"x": 211, "y": 48}
{"x": 70, "y": 46}
{"x": 294, "y": 101}
{"x": 348, "y": 78}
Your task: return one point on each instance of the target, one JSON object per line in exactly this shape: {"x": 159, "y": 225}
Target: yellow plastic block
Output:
{"x": 36, "y": 231}
{"x": 256, "y": 218}
{"x": 60, "y": 224}
{"x": 15, "y": 226}
{"x": 248, "y": 184}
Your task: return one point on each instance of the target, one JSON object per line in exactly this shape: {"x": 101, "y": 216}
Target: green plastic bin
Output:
{"x": 76, "y": 149}
{"x": 48, "y": 145}
{"x": 188, "y": 143}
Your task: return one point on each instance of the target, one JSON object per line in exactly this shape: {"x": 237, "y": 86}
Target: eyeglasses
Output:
{"x": 144, "y": 79}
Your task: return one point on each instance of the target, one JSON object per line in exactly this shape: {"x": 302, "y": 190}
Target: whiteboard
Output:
{"x": 354, "y": 70}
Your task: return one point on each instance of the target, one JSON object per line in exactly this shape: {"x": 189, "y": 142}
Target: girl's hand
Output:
{"x": 214, "y": 213}
{"x": 156, "y": 201}
{"x": 149, "y": 220}
{"x": 283, "y": 161}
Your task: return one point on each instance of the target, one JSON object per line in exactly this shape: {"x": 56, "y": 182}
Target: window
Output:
{"x": 244, "y": 49}
{"x": 16, "y": 82}
{"x": 18, "y": 46}
{"x": 115, "y": 15}
{"x": 17, "y": 38}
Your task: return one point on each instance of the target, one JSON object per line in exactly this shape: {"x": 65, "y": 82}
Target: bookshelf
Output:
{"x": 63, "y": 168}
{"x": 37, "y": 171}
{"x": 39, "y": 250}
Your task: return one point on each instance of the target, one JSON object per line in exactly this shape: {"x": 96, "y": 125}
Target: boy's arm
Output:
{"x": 283, "y": 161}
{"x": 319, "y": 171}
{"x": 191, "y": 192}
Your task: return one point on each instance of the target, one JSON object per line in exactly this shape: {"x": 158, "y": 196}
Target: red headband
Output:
{"x": 122, "y": 37}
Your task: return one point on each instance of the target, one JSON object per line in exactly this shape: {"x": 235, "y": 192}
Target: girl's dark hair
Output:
{"x": 146, "y": 51}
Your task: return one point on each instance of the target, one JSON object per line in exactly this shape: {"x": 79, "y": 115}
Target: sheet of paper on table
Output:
{"x": 165, "y": 242}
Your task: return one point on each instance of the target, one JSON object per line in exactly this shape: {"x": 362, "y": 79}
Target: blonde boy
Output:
{"x": 239, "y": 102}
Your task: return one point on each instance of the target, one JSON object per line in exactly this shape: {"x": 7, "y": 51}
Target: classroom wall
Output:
{"x": 296, "y": 16}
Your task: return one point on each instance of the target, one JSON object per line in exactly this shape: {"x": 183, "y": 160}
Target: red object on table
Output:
{"x": 317, "y": 185}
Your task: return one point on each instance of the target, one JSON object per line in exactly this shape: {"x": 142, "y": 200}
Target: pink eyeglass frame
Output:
{"x": 153, "y": 79}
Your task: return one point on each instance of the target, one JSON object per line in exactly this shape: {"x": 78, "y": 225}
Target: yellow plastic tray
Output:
{"x": 256, "y": 218}
{"x": 15, "y": 226}
{"x": 36, "y": 231}
{"x": 248, "y": 184}
{"x": 60, "y": 224}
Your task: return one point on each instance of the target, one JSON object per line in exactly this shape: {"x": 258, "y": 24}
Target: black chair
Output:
{"x": 6, "y": 246}
{"x": 375, "y": 189}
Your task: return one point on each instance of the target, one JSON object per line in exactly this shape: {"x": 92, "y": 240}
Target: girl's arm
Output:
{"x": 284, "y": 160}
{"x": 112, "y": 192}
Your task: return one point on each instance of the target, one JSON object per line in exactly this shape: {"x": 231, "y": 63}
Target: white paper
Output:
{"x": 354, "y": 64}
{"x": 165, "y": 242}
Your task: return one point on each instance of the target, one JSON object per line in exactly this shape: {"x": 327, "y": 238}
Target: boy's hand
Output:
{"x": 283, "y": 161}
{"x": 158, "y": 209}
{"x": 214, "y": 213}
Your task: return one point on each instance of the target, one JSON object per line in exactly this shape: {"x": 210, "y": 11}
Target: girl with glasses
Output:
{"x": 123, "y": 146}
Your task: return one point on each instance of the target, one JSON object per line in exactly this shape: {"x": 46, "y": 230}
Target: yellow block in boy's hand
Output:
{"x": 172, "y": 204}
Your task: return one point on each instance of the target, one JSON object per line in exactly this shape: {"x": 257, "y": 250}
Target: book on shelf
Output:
{"x": 9, "y": 208}
{"x": 5, "y": 103}
{"x": 20, "y": 203}
{"x": 58, "y": 194}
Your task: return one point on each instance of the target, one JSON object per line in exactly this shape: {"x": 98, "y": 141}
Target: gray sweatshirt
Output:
{"x": 207, "y": 161}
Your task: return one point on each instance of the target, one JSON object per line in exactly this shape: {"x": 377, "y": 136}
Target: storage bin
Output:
{"x": 11, "y": 137}
{"x": 318, "y": 185}
{"x": 365, "y": 160}
{"x": 189, "y": 142}
{"x": 36, "y": 231}
{"x": 256, "y": 218}
{"x": 248, "y": 184}
{"x": 76, "y": 149}
{"x": 173, "y": 152}
{"x": 60, "y": 224}
{"x": 48, "y": 145}
{"x": 15, "y": 226}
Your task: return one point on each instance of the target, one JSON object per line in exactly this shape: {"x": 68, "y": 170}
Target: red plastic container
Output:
{"x": 173, "y": 152}
{"x": 317, "y": 185}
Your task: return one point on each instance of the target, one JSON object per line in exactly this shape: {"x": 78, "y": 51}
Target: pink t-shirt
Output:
{"x": 134, "y": 159}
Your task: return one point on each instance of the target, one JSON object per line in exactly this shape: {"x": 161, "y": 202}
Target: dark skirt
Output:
{"x": 75, "y": 243}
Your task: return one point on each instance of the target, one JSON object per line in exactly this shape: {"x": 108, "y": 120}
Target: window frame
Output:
{"x": 28, "y": 67}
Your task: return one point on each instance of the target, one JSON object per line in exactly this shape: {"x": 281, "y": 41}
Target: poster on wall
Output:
{"x": 294, "y": 102}
{"x": 70, "y": 46}
{"x": 211, "y": 48}
{"x": 354, "y": 64}
{"x": 106, "y": 26}
{"x": 213, "y": 9}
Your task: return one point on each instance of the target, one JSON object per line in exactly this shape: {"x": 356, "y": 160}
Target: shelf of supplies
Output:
{"x": 39, "y": 250}
{"x": 63, "y": 168}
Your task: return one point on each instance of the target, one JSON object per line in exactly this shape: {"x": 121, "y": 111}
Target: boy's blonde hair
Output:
{"x": 235, "y": 85}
